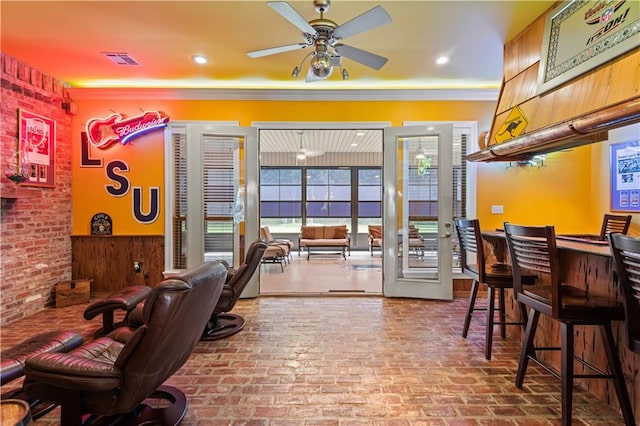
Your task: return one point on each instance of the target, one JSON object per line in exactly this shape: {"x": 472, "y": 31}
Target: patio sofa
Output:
{"x": 324, "y": 238}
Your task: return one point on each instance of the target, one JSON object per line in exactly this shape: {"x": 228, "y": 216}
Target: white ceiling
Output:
{"x": 66, "y": 39}
{"x": 336, "y": 140}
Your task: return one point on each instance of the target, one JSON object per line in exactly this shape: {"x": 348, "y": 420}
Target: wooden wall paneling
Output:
{"x": 108, "y": 260}
{"x": 524, "y": 50}
{"x": 511, "y": 65}
{"x": 625, "y": 78}
{"x": 531, "y": 44}
{"x": 519, "y": 89}
{"x": 601, "y": 87}
{"x": 507, "y": 96}
{"x": 612, "y": 83}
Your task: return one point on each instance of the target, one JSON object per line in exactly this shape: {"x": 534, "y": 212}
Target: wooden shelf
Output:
{"x": 8, "y": 193}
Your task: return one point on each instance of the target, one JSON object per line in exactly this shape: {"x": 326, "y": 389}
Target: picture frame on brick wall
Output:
{"x": 36, "y": 149}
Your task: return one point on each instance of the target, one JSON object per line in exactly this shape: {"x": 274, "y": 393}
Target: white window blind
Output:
{"x": 179, "y": 207}
{"x": 219, "y": 192}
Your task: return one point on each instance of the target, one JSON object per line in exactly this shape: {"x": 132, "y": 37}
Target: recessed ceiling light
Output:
{"x": 442, "y": 60}
{"x": 199, "y": 59}
{"x": 360, "y": 134}
{"x": 354, "y": 144}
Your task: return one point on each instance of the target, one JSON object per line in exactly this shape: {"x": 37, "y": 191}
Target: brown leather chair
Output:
{"x": 534, "y": 249}
{"x": 126, "y": 299}
{"x": 496, "y": 277}
{"x": 626, "y": 255}
{"x": 12, "y": 361}
{"x": 112, "y": 375}
{"x": 222, "y": 323}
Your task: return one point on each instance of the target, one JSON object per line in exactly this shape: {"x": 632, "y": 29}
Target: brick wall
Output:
{"x": 35, "y": 223}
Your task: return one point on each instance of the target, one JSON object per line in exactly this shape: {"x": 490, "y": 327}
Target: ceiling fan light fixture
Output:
{"x": 301, "y": 156}
{"x": 321, "y": 66}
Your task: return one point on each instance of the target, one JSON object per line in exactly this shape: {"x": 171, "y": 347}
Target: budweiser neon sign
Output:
{"x": 102, "y": 132}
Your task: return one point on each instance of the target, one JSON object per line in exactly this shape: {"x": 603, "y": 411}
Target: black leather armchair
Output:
{"x": 114, "y": 374}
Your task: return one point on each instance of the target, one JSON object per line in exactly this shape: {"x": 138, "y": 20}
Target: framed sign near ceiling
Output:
{"x": 581, "y": 35}
{"x": 36, "y": 149}
{"x": 625, "y": 176}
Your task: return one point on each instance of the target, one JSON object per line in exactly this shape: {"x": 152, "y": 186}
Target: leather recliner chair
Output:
{"x": 112, "y": 375}
{"x": 222, "y": 323}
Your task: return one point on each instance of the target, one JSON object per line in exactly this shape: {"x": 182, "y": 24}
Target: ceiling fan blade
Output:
{"x": 368, "y": 59}
{"x": 370, "y": 19}
{"x": 274, "y": 50}
{"x": 292, "y": 15}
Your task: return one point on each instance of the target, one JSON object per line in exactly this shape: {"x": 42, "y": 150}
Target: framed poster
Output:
{"x": 625, "y": 176}
{"x": 580, "y": 35}
{"x": 36, "y": 149}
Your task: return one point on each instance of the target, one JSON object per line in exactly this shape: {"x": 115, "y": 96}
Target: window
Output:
{"x": 325, "y": 194}
{"x": 369, "y": 198}
{"x": 328, "y": 193}
{"x": 280, "y": 193}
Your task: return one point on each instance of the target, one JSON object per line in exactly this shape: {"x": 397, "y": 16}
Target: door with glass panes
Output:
{"x": 418, "y": 211}
{"x": 212, "y": 195}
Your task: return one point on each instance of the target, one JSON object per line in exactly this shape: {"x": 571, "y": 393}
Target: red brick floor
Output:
{"x": 348, "y": 361}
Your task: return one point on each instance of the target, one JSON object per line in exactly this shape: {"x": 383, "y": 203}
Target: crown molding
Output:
{"x": 287, "y": 95}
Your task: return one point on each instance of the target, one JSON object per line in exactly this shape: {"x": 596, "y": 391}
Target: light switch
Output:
{"x": 497, "y": 209}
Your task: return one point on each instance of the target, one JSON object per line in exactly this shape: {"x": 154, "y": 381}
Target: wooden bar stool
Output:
{"x": 534, "y": 249}
{"x": 496, "y": 279}
{"x": 614, "y": 223}
{"x": 626, "y": 254}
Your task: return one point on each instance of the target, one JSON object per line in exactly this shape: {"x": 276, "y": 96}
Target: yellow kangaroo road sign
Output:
{"x": 512, "y": 127}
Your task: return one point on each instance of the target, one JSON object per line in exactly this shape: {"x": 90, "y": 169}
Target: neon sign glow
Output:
{"x": 102, "y": 132}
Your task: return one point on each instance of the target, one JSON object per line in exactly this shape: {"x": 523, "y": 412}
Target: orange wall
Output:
{"x": 570, "y": 191}
{"x": 145, "y": 156}
{"x": 558, "y": 193}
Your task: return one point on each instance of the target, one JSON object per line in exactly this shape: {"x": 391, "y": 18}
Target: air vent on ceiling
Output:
{"x": 120, "y": 58}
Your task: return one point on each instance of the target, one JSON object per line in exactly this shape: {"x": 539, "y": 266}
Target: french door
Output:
{"x": 212, "y": 195}
{"x": 213, "y": 198}
{"x": 418, "y": 212}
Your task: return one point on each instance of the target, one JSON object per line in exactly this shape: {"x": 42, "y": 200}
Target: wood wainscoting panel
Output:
{"x": 109, "y": 261}
{"x": 524, "y": 50}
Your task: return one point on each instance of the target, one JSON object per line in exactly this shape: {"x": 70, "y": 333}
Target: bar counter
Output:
{"x": 589, "y": 265}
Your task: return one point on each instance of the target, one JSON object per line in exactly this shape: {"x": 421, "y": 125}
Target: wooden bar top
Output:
{"x": 600, "y": 248}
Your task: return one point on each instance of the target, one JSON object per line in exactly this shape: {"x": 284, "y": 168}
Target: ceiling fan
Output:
{"x": 325, "y": 36}
{"x": 303, "y": 154}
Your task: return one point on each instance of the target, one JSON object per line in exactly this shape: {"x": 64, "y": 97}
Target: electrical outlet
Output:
{"x": 497, "y": 209}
